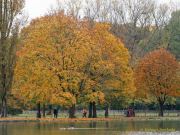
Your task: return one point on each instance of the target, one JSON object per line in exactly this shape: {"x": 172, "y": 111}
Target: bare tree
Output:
{"x": 131, "y": 20}
{"x": 74, "y": 7}
{"x": 158, "y": 36}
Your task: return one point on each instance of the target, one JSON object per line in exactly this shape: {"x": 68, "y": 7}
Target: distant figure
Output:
{"x": 55, "y": 113}
{"x": 130, "y": 113}
{"x": 133, "y": 113}
{"x": 84, "y": 113}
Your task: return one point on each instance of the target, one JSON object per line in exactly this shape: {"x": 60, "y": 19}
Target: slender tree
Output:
{"x": 9, "y": 9}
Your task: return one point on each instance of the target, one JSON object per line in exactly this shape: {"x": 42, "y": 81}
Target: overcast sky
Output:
{"x": 36, "y": 8}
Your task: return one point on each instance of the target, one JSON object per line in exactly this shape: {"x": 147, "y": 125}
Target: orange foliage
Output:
{"x": 157, "y": 75}
{"x": 61, "y": 60}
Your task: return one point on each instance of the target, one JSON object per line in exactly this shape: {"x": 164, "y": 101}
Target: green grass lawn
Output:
{"x": 100, "y": 114}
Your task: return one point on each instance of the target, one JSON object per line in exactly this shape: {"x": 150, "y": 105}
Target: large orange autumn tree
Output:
{"x": 110, "y": 69}
{"x": 63, "y": 62}
{"x": 157, "y": 77}
{"x": 50, "y": 58}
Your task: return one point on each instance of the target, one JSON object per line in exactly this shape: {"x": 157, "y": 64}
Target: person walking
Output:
{"x": 55, "y": 113}
{"x": 84, "y": 113}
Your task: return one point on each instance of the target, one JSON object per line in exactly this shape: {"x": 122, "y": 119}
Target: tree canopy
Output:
{"x": 63, "y": 61}
{"x": 157, "y": 75}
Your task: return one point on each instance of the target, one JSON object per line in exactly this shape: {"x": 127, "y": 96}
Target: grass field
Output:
{"x": 100, "y": 113}
{"x": 113, "y": 115}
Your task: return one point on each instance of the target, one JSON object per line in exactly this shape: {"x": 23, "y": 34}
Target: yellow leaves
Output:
{"x": 65, "y": 99}
{"x": 62, "y": 59}
{"x": 51, "y": 55}
{"x": 109, "y": 62}
{"x": 112, "y": 84}
{"x": 103, "y": 68}
{"x": 97, "y": 97}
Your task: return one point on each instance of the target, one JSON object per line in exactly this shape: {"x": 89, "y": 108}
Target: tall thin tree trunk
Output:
{"x": 106, "y": 111}
{"x": 94, "y": 110}
{"x": 161, "y": 109}
{"x": 90, "y": 110}
{"x": 4, "y": 90}
{"x": 44, "y": 110}
{"x": 4, "y": 107}
{"x": 38, "y": 110}
{"x": 1, "y": 107}
{"x": 72, "y": 111}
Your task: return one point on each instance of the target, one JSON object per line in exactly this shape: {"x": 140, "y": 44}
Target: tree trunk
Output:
{"x": 44, "y": 110}
{"x": 161, "y": 108}
{"x": 38, "y": 110}
{"x": 94, "y": 110}
{"x": 4, "y": 90}
{"x": 72, "y": 111}
{"x": 90, "y": 110}
{"x": 106, "y": 111}
{"x": 4, "y": 107}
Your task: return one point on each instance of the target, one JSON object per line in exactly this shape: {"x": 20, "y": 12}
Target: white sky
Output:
{"x": 36, "y": 8}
